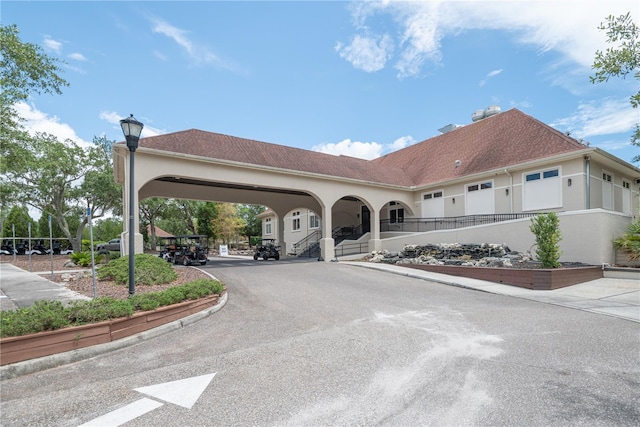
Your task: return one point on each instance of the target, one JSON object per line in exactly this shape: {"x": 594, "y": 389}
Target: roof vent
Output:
{"x": 458, "y": 163}
{"x": 491, "y": 110}
{"x": 449, "y": 128}
{"x": 477, "y": 115}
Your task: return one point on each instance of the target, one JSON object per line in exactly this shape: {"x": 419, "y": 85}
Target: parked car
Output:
{"x": 111, "y": 245}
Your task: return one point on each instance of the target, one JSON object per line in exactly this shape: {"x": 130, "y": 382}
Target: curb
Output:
{"x": 47, "y": 362}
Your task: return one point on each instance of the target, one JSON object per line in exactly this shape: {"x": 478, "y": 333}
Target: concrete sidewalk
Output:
{"x": 20, "y": 288}
{"x": 611, "y": 297}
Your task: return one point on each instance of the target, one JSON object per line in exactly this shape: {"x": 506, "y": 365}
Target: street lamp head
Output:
{"x": 132, "y": 130}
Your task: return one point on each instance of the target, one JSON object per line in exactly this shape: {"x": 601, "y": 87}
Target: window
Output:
{"x": 533, "y": 177}
{"x": 437, "y": 194}
{"x": 473, "y": 187}
{"x": 550, "y": 174}
{"x": 296, "y": 221}
{"x": 486, "y": 185}
{"x": 396, "y": 215}
{"x": 625, "y": 184}
{"x": 428, "y": 196}
{"x": 314, "y": 221}
{"x": 606, "y": 177}
{"x": 267, "y": 226}
{"x": 396, "y": 212}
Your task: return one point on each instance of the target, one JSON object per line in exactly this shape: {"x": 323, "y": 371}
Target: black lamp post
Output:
{"x": 132, "y": 130}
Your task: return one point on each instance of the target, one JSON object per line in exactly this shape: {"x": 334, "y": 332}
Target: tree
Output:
{"x": 64, "y": 179}
{"x": 19, "y": 218}
{"x": 106, "y": 229}
{"x": 24, "y": 70}
{"x": 150, "y": 211}
{"x": 620, "y": 60}
{"x": 205, "y": 214}
{"x": 253, "y": 225}
{"x": 227, "y": 224}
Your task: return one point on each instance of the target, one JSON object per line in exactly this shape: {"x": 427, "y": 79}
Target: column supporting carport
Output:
{"x": 327, "y": 244}
{"x": 375, "y": 243}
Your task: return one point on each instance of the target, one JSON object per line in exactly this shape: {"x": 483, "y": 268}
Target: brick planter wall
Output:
{"x": 25, "y": 347}
{"x": 535, "y": 279}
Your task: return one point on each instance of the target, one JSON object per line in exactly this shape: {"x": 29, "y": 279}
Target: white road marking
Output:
{"x": 125, "y": 414}
{"x": 184, "y": 393}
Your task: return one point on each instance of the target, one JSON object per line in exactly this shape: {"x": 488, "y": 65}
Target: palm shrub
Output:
{"x": 630, "y": 241}
{"x": 546, "y": 228}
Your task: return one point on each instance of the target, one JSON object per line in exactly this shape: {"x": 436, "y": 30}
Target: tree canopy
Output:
{"x": 621, "y": 59}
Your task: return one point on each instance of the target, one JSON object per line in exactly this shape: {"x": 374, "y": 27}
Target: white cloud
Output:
{"x": 401, "y": 143}
{"x": 197, "y": 53}
{"x": 367, "y": 53}
{"x": 114, "y": 118}
{"x": 490, "y": 75}
{"x": 37, "y": 121}
{"x": 568, "y": 27}
{"x": 52, "y": 44}
{"x": 606, "y": 117}
{"x": 77, "y": 56}
{"x": 363, "y": 150}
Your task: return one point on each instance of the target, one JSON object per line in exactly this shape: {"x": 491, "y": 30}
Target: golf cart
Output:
{"x": 267, "y": 249}
{"x": 185, "y": 250}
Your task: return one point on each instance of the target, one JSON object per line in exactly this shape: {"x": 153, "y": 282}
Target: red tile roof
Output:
{"x": 500, "y": 141}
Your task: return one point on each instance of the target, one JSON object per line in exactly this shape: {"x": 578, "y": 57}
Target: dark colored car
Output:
{"x": 111, "y": 245}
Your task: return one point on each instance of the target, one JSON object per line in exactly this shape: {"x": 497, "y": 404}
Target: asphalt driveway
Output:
{"x": 312, "y": 343}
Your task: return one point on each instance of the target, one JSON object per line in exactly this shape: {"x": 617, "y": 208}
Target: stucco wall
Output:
{"x": 587, "y": 235}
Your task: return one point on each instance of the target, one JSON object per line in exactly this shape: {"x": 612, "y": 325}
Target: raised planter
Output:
{"x": 541, "y": 279}
{"x": 623, "y": 259}
{"x": 25, "y": 347}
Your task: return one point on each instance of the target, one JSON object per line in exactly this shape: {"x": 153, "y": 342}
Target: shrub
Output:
{"x": 50, "y": 315}
{"x": 82, "y": 259}
{"x": 630, "y": 241}
{"x": 546, "y": 228}
{"x": 149, "y": 270}
{"x": 41, "y": 316}
{"x": 99, "y": 309}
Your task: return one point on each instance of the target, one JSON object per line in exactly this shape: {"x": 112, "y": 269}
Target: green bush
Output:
{"x": 630, "y": 241}
{"x": 149, "y": 270}
{"x": 99, "y": 309}
{"x": 82, "y": 259}
{"x": 546, "y": 228}
{"x": 41, "y": 316}
{"x": 50, "y": 315}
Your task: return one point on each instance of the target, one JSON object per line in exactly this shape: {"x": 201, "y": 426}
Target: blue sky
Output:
{"x": 356, "y": 78}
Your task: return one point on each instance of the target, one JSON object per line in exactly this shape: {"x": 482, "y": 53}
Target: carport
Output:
{"x": 206, "y": 166}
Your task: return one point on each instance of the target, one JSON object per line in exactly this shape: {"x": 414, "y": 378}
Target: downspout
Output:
{"x": 510, "y": 190}
{"x": 587, "y": 161}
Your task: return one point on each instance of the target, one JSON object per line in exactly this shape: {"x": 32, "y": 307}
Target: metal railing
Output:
{"x": 351, "y": 249}
{"x": 308, "y": 246}
{"x": 420, "y": 225}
